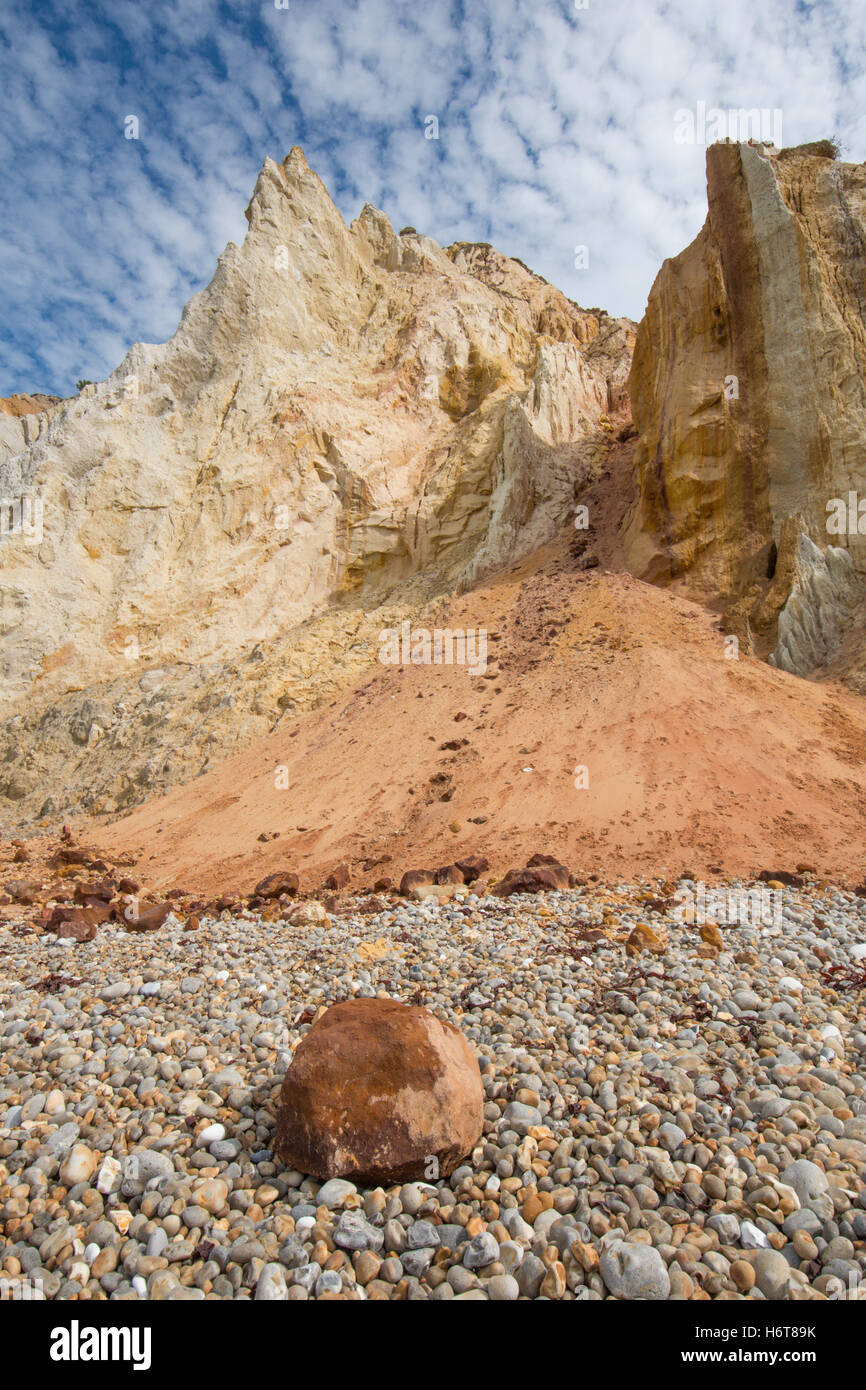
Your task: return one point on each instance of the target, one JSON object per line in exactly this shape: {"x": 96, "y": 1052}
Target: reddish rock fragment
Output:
{"x": 473, "y": 867}
{"x": 379, "y": 1092}
{"x": 415, "y": 878}
{"x": 275, "y": 885}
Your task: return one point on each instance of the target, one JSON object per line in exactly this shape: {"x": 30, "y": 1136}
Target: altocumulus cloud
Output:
{"x": 555, "y": 130}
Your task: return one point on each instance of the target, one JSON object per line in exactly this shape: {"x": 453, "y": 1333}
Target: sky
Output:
{"x": 557, "y": 125}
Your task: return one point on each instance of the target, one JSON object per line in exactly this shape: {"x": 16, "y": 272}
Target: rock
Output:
{"x": 143, "y": 918}
{"x": 226, "y": 1079}
{"x": 727, "y": 1227}
{"x": 482, "y": 1250}
{"x": 275, "y": 885}
{"x": 670, "y": 1137}
{"x": 473, "y": 867}
{"x": 541, "y": 875}
{"x": 338, "y": 878}
{"x": 503, "y": 1288}
{"x": 79, "y": 1165}
{"x": 643, "y": 938}
{"x": 439, "y": 892}
{"x": 854, "y": 1150}
{"x": 520, "y": 1117}
{"x": 752, "y": 1237}
{"x": 743, "y": 1275}
{"x": 415, "y": 878}
{"x": 413, "y": 1196}
{"x": 780, "y": 878}
{"x": 421, "y": 1235}
{"x": 634, "y": 1271}
{"x": 772, "y": 1273}
{"x": 767, "y": 214}
{"x": 354, "y": 1232}
{"x": 747, "y": 1000}
{"x": 143, "y": 1165}
{"x": 804, "y": 1245}
{"x": 78, "y": 926}
{"x": 367, "y": 1266}
{"x": 109, "y": 1177}
{"x": 553, "y": 1285}
{"x": 308, "y": 914}
{"x": 379, "y": 1092}
{"x": 334, "y": 1193}
{"x": 450, "y": 873}
{"x": 211, "y": 1134}
{"x": 807, "y": 1179}
{"x": 271, "y": 1286}
{"x": 24, "y": 891}
{"x": 212, "y": 1195}
{"x": 417, "y": 1262}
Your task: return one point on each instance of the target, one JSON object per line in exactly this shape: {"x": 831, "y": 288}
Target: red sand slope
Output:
{"x": 694, "y": 761}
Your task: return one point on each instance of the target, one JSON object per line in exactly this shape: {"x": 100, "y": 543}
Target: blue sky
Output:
{"x": 556, "y": 130}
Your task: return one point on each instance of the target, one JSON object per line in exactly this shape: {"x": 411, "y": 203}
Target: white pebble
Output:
{"x": 210, "y": 1135}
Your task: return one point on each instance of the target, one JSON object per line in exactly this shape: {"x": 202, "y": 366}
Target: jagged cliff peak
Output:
{"x": 345, "y": 420}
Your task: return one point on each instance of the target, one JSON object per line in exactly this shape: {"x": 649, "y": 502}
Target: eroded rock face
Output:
{"x": 820, "y": 609}
{"x": 379, "y": 1092}
{"x": 22, "y": 419}
{"x": 346, "y": 424}
{"x": 748, "y": 392}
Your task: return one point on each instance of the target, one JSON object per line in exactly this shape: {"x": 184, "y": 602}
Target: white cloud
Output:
{"x": 556, "y": 128}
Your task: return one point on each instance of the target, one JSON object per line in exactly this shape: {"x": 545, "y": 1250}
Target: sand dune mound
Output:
{"x": 692, "y": 759}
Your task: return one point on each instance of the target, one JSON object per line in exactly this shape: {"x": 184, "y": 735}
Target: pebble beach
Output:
{"x": 671, "y": 1113}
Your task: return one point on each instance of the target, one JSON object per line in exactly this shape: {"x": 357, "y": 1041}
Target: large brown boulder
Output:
{"x": 379, "y": 1092}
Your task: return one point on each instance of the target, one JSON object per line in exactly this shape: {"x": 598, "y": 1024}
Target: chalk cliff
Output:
{"x": 346, "y": 424}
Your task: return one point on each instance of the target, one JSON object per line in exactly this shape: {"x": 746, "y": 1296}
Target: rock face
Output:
{"x": 345, "y": 424}
{"x": 351, "y": 427}
{"x": 820, "y": 610}
{"x": 22, "y": 419}
{"x": 748, "y": 389}
{"x": 376, "y": 1092}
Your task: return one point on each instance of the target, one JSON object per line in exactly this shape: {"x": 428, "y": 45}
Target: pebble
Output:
{"x": 79, "y": 1165}
{"x": 634, "y": 1271}
{"x": 333, "y": 1194}
{"x": 271, "y": 1286}
{"x": 482, "y": 1250}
